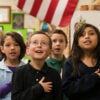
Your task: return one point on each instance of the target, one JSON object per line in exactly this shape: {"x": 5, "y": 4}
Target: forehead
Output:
{"x": 58, "y": 36}
{"x": 39, "y": 37}
{"x": 9, "y": 38}
{"x": 89, "y": 28}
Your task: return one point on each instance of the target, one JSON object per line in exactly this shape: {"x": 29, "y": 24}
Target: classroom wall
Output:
{"x": 9, "y": 27}
{"x": 33, "y": 24}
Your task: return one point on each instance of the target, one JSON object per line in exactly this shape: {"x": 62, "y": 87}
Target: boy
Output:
{"x": 59, "y": 43}
{"x": 36, "y": 81}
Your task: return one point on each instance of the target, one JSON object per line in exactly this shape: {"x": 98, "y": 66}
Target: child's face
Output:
{"x": 39, "y": 48}
{"x": 11, "y": 48}
{"x": 88, "y": 40}
{"x": 58, "y": 44}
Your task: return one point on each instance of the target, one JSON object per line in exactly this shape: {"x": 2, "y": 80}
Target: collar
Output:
{"x": 2, "y": 64}
{"x": 4, "y": 67}
{"x": 43, "y": 70}
{"x": 54, "y": 61}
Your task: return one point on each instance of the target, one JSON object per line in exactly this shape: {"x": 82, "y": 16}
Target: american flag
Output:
{"x": 55, "y": 12}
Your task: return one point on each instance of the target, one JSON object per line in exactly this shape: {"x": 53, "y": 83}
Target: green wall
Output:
{"x": 8, "y": 27}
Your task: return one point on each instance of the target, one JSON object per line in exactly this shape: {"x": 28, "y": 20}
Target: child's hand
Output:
{"x": 46, "y": 85}
{"x": 97, "y": 72}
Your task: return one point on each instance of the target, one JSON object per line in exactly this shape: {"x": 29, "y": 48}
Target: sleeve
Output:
{"x": 5, "y": 89}
{"x": 19, "y": 92}
{"x": 58, "y": 95}
{"x": 76, "y": 86}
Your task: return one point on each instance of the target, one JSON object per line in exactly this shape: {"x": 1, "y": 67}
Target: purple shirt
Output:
{"x": 6, "y": 88}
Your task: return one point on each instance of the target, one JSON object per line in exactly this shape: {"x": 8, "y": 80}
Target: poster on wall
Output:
{"x": 17, "y": 21}
{"x": 80, "y": 17}
{"x": 5, "y": 12}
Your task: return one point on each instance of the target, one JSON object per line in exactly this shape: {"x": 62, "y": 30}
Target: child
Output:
{"x": 13, "y": 49}
{"x": 81, "y": 73}
{"x": 59, "y": 43}
{"x": 35, "y": 80}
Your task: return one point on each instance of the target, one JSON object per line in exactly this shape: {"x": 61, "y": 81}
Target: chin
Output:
{"x": 39, "y": 58}
{"x": 58, "y": 53}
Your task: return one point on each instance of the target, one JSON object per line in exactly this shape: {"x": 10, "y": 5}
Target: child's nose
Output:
{"x": 12, "y": 47}
{"x": 58, "y": 43}
{"x": 86, "y": 35}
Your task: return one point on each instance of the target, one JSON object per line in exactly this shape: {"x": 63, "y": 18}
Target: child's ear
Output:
{"x": 2, "y": 49}
{"x": 50, "y": 52}
{"x": 27, "y": 51}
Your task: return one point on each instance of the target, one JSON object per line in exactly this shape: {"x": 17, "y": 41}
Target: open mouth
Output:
{"x": 58, "y": 49}
{"x": 39, "y": 51}
{"x": 87, "y": 42}
{"x": 13, "y": 53}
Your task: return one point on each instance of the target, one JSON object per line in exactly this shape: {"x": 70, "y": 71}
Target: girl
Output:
{"x": 13, "y": 49}
{"x": 81, "y": 73}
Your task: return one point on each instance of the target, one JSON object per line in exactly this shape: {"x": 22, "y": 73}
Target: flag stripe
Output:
{"x": 43, "y": 9}
{"x": 60, "y": 8}
{"x": 70, "y": 8}
{"x": 56, "y": 12}
{"x": 28, "y": 6}
{"x": 21, "y": 3}
{"x": 36, "y": 7}
{"x": 51, "y": 11}
{"x": 17, "y": 1}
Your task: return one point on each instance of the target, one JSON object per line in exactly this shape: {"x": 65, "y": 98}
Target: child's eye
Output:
{"x": 54, "y": 41}
{"x": 34, "y": 43}
{"x": 44, "y": 44}
{"x": 16, "y": 44}
{"x": 91, "y": 33}
{"x": 61, "y": 41}
{"x": 7, "y": 45}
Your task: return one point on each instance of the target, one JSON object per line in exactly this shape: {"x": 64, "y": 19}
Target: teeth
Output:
{"x": 87, "y": 42}
{"x": 13, "y": 53}
{"x": 39, "y": 51}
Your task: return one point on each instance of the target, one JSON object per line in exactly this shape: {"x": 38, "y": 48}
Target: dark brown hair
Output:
{"x": 59, "y": 31}
{"x": 77, "y": 52}
{"x": 19, "y": 39}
